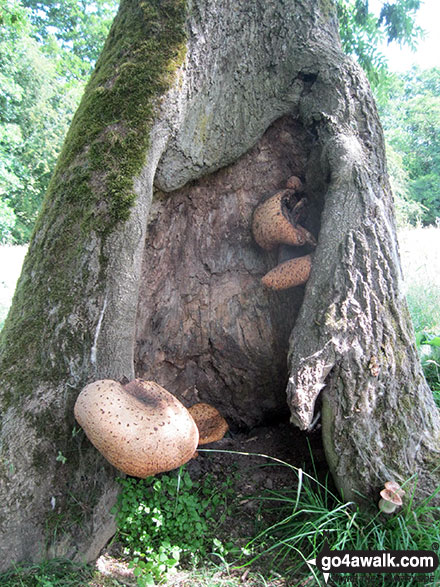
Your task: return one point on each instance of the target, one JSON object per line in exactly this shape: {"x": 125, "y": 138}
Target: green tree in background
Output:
{"x": 75, "y": 30}
{"x": 36, "y": 106}
{"x": 408, "y": 211}
{"x": 361, "y": 32}
{"x": 47, "y": 51}
{"x": 411, "y": 120}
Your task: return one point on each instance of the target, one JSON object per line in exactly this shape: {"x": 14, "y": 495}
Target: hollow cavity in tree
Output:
{"x": 206, "y": 328}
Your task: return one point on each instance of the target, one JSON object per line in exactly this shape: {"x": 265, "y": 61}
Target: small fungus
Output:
{"x": 148, "y": 432}
{"x": 294, "y": 183}
{"x": 288, "y": 274}
{"x": 395, "y": 487}
{"x": 210, "y": 423}
{"x": 391, "y": 497}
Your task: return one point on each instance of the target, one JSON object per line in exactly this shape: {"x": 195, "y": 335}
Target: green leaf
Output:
{"x": 362, "y": 32}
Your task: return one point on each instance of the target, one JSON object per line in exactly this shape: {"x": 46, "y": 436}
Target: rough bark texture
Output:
{"x": 94, "y": 294}
{"x": 379, "y": 419}
{"x": 206, "y": 328}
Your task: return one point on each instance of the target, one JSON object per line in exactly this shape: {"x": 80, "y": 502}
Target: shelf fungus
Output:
{"x": 288, "y": 274}
{"x": 140, "y": 428}
{"x": 276, "y": 222}
{"x": 210, "y": 423}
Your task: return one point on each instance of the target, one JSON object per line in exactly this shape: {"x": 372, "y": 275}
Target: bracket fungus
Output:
{"x": 210, "y": 423}
{"x": 391, "y": 497}
{"x": 140, "y": 428}
{"x": 288, "y": 274}
{"x": 276, "y": 221}
{"x": 271, "y": 224}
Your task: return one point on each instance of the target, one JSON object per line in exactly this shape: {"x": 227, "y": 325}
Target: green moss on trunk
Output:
{"x": 48, "y": 332}
{"x": 108, "y": 139}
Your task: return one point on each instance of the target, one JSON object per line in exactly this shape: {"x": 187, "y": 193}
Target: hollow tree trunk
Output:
{"x": 217, "y": 105}
{"x": 206, "y": 328}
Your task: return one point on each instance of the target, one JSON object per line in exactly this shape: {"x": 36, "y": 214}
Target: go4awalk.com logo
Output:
{"x": 374, "y": 561}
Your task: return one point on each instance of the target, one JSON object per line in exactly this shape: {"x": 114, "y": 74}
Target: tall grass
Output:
{"x": 420, "y": 254}
{"x": 50, "y": 573}
{"x": 311, "y": 512}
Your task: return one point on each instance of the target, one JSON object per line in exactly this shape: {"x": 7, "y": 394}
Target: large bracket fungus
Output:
{"x": 140, "y": 428}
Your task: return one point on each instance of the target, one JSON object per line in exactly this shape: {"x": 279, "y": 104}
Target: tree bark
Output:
{"x": 379, "y": 418}
{"x": 217, "y": 105}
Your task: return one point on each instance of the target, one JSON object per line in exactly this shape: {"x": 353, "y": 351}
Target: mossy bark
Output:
{"x": 179, "y": 92}
{"x": 73, "y": 314}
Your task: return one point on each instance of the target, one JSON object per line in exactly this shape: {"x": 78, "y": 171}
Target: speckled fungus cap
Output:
{"x": 394, "y": 488}
{"x": 140, "y": 428}
{"x": 270, "y": 227}
{"x": 210, "y": 423}
{"x": 288, "y": 274}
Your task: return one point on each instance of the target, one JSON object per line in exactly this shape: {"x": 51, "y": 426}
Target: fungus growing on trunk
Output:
{"x": 294, "y": 183}
{"x": 140, "y": 428}
{"x": 288, "y": 274}
{"x": 271, "y": 225}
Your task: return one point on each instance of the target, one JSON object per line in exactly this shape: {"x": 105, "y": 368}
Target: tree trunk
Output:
{"x": 218, "y": 106}
{"x": 356, "y": 341}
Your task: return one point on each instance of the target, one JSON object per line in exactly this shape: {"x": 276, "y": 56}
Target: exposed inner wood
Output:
{"x": 207, "y": 329}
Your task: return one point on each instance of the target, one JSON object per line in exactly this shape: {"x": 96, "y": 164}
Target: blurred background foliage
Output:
{"x": 47, "y": 52}
{"x": 48, "y": 49}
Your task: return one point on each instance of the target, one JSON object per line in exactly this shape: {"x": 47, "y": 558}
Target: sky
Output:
{"x": 428, "y": 49}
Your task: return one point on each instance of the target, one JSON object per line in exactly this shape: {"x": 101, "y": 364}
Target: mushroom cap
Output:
{"x": 140, "y": 428}
{"x": 394, "y": 488}
{"x": 391, "y": 496}
{"x": 294, "y": 183}
{"x": 288, "y": 274}
{"x": 210, "y": 423}
{"x": 270, "y": 226}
